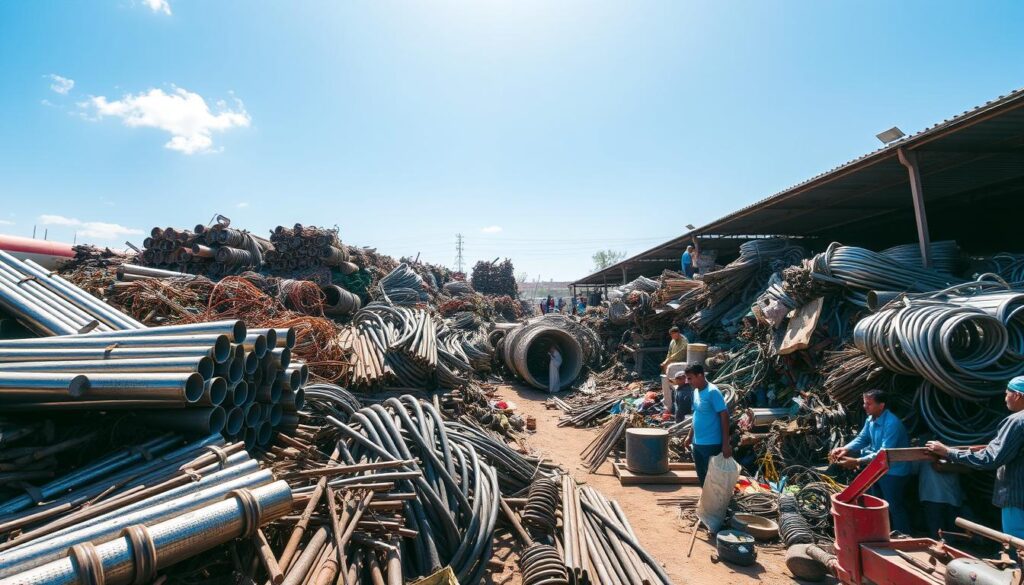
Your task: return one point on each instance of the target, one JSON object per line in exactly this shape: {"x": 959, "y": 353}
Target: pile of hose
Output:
{"x": 961, "y": 349}
{"x": 402, "y": 286}
{"x": 860, "y": 270}
{"x": 944, "y": 255}
{"x": 456, "y": 488}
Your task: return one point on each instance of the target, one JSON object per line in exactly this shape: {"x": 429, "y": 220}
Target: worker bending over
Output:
{"x": 883, "y": 430}
{"x": 709, "y": 432}
{"x": 1005, "y": 453}
{"x": 676, "y": 357}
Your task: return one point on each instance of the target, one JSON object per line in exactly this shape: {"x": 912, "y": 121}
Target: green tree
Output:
{"x": 605, "y": 258}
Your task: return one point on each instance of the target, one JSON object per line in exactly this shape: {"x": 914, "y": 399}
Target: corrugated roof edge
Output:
{"x": 878, "y": 154}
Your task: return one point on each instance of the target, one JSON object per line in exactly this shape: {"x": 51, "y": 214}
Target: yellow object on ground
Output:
{"x": 443, "y": 577}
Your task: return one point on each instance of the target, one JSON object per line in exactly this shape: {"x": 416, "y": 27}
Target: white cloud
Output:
{"x": 491, "y": 229}
{"x": 158, "y": 6}
{"x": 183, "y": 114}
{"x": 242, "y": 205}
{"x": 61, "y": 85}
{"x": 98, "y": 230}
{"x": 6, "y": 222}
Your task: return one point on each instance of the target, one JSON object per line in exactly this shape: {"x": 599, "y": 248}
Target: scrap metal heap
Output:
{"x": 795, "y": 341}
{"x": 191, "y": 427}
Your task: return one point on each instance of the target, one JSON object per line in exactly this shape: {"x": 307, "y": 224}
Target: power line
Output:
{"x": 458, "y": 252}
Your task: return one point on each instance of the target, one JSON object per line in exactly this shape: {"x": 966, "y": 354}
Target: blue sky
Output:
{"x": 542, "y": 131}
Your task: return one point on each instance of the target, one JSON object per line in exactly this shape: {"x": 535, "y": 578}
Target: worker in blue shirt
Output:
{"x": 883, "y": 430}
{"x": 709, "y": 431}
{"x": 688, "y": 262}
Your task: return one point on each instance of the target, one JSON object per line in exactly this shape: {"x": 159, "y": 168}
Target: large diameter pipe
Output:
{"x": 49, "y": 354}
{"x": 338, "y": 301}
{"x": 174, "y": 539}
{"x": 269, "y": 334}
{"x": 233, "y": 328}
{"x": 525, "y": 352}
{"x": 201, "y": 364}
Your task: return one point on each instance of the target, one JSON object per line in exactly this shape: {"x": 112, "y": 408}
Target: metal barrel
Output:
{"x": 647, "y": 450}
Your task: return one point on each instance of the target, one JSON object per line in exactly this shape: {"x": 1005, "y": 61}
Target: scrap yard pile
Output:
{"x": 199, "y": 412}
{"x": 794, "y": 340}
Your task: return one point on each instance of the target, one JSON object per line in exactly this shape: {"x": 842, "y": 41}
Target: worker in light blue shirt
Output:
{"x": 709, "y": 431}
{"x": 883, "y": 430}
{"x": 687, "y": 262}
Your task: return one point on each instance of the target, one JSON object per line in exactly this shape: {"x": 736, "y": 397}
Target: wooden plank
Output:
{"x": 801, "y": 327}
{"x": 678, "y": 476}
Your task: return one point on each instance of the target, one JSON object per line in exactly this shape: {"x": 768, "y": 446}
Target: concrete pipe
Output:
{"x": 525, "y": 352}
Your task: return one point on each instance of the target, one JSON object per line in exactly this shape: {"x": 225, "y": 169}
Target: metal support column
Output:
{"x": 908, "y": 159}
{"x": 624, "y": 281}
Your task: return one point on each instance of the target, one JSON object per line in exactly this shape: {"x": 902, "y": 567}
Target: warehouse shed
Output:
{"x": 961, "y": 179}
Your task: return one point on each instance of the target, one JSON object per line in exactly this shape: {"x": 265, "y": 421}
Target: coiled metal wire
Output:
{"x": 793, "y": 527}
{"x": 541, "y": 564}
{"x": 541, "y": 504}
{"x": 861, "y": 270}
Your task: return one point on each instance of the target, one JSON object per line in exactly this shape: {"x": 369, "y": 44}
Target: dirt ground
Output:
{"x": 659, "y": 528}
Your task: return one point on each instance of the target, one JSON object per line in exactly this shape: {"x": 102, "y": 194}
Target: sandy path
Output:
{"x": 659, "y": 529}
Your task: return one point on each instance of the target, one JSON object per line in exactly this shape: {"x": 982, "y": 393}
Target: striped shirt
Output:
{"x": 1005, "y": 454}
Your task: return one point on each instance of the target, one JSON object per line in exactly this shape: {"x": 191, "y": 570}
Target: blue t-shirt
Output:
{"x": 687, "y": 260}
{"x": 707, "y": 424}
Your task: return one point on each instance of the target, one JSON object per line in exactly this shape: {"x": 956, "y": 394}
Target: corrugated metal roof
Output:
{"x": 884, "y": 179}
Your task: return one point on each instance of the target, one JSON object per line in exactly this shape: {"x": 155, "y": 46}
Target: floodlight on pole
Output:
{"x": 891, "y": 135}
{"x": 690, "y": 227}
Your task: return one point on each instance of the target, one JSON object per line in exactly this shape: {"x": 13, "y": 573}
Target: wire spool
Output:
{"x": 542, "y": 565}
{"x": 542, "y": 502}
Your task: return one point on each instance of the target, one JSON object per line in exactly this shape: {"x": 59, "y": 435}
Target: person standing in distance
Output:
{"x": 709, "y": 433}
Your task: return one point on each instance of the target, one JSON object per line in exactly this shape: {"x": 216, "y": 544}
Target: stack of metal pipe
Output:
{"x": 308, "y": 247}
{"x": 599, "y": 545}
{"x": 124, "y": 517}
{"x": 214, "y": 251}
{"x": 49, "y": 305}
{"x": 406, "y": 347}
{"x": 197, "y": 378}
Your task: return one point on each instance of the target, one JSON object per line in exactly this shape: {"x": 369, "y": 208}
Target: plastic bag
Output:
{"x": 717, "y": 492}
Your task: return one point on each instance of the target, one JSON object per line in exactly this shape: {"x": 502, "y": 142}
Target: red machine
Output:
{"x": 865, "y": 553}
